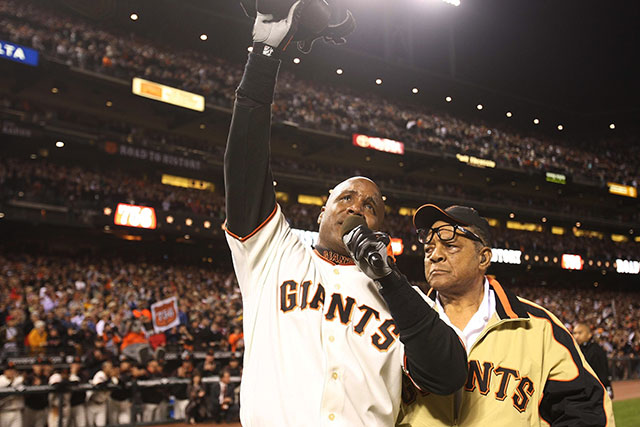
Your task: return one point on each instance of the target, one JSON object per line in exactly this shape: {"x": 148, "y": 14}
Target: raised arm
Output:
{"x": 249, "y": 193}
{"x": 250, "y": 198}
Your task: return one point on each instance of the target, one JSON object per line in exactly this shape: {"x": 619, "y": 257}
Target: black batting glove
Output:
{"x": 369, "y": 251}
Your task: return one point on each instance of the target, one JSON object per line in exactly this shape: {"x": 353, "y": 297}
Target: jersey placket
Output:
{"x": 334, "y": 345}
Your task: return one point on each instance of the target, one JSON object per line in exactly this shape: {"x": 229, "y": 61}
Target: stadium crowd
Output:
{"x": 93, "y": 309}
{"x": 111, "y": 130}
{"x": 79, "y": 189}
{"x": 125, "y": 55}
{"x": 96, "y": 313}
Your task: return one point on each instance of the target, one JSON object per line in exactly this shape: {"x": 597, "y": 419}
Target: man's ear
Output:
{"x": 485, "y": 257}
{"x": 321, "y": 215}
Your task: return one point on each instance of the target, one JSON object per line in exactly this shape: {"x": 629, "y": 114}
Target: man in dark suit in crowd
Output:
{"x": 224, "y": 403}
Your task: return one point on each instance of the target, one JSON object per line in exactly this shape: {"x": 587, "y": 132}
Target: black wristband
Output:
{"x": 266, "y": 50}
{"x": 259, "y": 78}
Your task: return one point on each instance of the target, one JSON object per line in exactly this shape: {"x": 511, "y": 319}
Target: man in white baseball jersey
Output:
{"x": 11, "y": 406}
{"x": 321, "y": 339}
{"x": 97, "y": 402}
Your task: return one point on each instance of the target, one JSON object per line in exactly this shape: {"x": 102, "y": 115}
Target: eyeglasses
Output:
{"x": 446, "y": 233}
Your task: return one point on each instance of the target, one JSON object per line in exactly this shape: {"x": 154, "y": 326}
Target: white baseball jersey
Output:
{"x": 321, "y": 348}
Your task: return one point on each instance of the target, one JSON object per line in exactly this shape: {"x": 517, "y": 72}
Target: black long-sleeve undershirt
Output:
{"x": 436, "y": 358}
{"x": 249, "y": 193}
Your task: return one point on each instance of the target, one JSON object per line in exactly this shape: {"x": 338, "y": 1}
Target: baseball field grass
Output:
{"x": 627, "y": 412}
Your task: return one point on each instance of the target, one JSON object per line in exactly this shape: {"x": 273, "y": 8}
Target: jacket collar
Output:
{"x": 508, "y": 306}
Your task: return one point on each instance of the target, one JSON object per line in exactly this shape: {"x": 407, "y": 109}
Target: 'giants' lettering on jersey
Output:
{"x": 343, "y": 309}
{"x": 481, "y": 375}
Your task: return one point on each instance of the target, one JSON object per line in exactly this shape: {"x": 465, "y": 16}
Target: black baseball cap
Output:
{"x": 428, "y": 214}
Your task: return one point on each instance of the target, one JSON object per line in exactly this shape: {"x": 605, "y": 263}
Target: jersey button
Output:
{"x": 337, "y": 286}
{"x": 332, "y": 417}
{"x": 332, "y": 338}
{"x": 336, "y": 271}
{"x": 334, "y": 375}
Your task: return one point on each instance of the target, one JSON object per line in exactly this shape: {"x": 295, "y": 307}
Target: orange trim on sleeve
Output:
{"x": 408, "y": 374}
{"x": 497, "y": 287}
{"x": 242, "y": 239}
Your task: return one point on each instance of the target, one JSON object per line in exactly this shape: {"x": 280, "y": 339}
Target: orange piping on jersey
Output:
{"x": 540, "y": 403}
{"x": 497, "y": 287}
{"x": 242, "y": 239}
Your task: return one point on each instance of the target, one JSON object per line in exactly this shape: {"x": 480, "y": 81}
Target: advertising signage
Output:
{"x": 378, "y": 144}
{"x": 168, "y": 94}
{"x": 15, "y": 52}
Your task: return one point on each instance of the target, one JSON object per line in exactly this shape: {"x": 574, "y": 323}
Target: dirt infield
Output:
{"x": 622, "y": 390}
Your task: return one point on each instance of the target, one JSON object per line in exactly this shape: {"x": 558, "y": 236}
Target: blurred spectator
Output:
{"x": 181, "y": 394}
{"x": 595, "y": 355}
{"x": 78, "y": 398}
{"x": 236, "y": 340}
{"x": 35, "y": 404}
{"x": 37, "y": 338}
{"x": 97, "y": 399}
{"x": 196, "y": 409}
{"x": 11, "y": 336}
{"x": 59, "y": 403}
{"x": 11, "y": 406}
{"x": 209, "y": 367}
{"x": 120, "y": 400}
{"x": 234, "y": 368}
{"x": 154, "y": 397}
